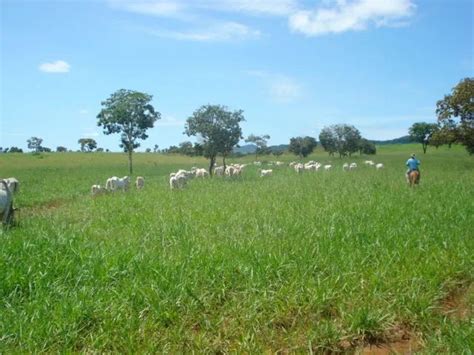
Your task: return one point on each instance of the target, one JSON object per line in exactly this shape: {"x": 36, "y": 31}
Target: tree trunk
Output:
{"x": 130, "y": 168}
{"x": 424, "y": 148}
{"x": 211, "y": 165}
{"x": 223, "y": 161}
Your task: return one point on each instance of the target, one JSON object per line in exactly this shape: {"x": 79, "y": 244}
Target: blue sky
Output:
{"x": 293, "y": 66}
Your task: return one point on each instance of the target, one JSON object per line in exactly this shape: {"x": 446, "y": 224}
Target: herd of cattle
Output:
{"x": 177, "y": 180}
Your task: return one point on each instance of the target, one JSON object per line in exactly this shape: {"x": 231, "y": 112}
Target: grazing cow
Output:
{"x": 327, "y": 167}
{"x": 299, "y": 168}
{"x": 379, "y": 166}
{"x": 353, "y": 166}
{"x": 97, "y": 190}
{"x": 219, "y": 171}
{"x": 13, "y": 184}
{"x": 268, "y": 172}
{"x": 178, "y": 181}
{"x": 6, "y": 203}
{"x": 114, "y": 183}
{"x": 345, "y": 166}
{"x": 139, "y": 182}
{"x": 369, "y": 162}
{"x": 201, "y": 173}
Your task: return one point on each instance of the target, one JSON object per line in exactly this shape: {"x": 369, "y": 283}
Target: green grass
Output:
{"x": 287, "y": 263}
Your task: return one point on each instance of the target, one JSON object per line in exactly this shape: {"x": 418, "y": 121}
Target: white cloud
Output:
{"x": 83, "y": 111}
{"x": 217, "y": 33}
{"x": 280, "y": 88}
{"x": 347, "y": 15}
{"x": 183, "y": 8}
{"x": 58, "y": 66}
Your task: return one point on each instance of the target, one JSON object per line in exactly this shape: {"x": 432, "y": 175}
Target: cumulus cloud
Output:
{"x": 170, "y": 121}
{"x": 217, "y": 33}
{"x": 346, "y": 15}
{"x": 58, "y": 66}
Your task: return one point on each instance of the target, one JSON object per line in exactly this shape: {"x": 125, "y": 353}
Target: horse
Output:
{"x": 414, "y": 178}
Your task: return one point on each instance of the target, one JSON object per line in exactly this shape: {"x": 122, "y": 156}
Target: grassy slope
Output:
{"x": 290, "y": 262}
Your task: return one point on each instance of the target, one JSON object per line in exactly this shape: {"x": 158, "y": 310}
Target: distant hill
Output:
{"x": 401, "y": 140}
{"x": 246, "y": 149}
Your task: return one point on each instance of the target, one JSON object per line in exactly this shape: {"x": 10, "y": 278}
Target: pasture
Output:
{"x": 318, "y": 262}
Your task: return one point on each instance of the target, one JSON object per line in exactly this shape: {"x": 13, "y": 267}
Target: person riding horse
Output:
{"x": 413, "y": 165}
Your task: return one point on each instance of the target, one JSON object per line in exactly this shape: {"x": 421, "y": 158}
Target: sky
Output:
{"x": 292, "y": 66}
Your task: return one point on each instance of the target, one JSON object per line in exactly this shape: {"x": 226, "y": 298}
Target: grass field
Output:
{"x": 321, "y": 262}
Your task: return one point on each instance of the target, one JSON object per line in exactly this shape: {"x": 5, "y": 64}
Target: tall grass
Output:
{"x": 294, "y": 263}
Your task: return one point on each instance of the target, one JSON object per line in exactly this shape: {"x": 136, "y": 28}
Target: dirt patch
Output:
{"x": 404, "y": 346}
{"x": 457, "y": 304}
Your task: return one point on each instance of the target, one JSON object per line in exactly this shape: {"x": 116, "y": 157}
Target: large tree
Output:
{"x": 302, "y": 146}
{"x": 260, "y": 142}
{"x": 421, "y": 132}
{"x": 218, "y": 130}
{"x": 34, "y": 143}
{"x": 129, "y": 113}
{"x": 87, "y": 144}
{"x": 341, "y": 138}
{"x": 367, "y": 147}
{"x": 459, "y": 105}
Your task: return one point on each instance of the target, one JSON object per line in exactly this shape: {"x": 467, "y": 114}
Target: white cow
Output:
{"x": 201, "y": 172}
{"x": 97, "y": 190}
{"x": 114, "y": 183}
{"x": 6, "y": 203}
{"x": 268, "y": 172}
{"x": 299, "y": 168}
{"x": 353, "y": 166}
{"x": 379, "y": 166}
{"x": 327, "y": 167}
{"x": 369, "y": 162}
{"x": 178, "y": 181}
{"x": 219, "y": 171}
{"x": 13, "y": 184}
{"x": 345, "y": 166}
{"x": 140, "y": 182}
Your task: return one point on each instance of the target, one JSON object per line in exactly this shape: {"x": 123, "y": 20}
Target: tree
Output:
{"x": 460, "y": 105}
{"x": 129, "y": 113}
{"x": 328, "y": 140}
{"x": 14, "y": 150}
{"x": 34, "y": 143}
{"x": 148, "y": 150}
{"x": 87, "y": 144}
{"x": 341, "y": 138}
{"x": 186, "y": 148}
{"x": 302, "y": 146}
{"x": 61, "y": 149}
{"x": 260, "y": 142}
{"x": 367, "y": 147}
{"x": 218, "y": 129}
{"x": 155, "y": 148}
{"x": 421, "y": 132}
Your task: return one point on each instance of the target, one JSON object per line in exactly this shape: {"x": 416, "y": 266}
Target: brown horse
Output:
{"x": 414, "y": 178}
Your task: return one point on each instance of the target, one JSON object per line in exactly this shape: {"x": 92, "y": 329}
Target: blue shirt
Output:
{"x": 413, "y": 163}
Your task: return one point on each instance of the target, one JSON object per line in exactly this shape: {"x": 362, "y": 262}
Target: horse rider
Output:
{"x": 413, "y": 164}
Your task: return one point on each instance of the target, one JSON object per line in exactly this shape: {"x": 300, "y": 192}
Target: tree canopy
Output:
{"x": 302, "y": 146}
{"x": 87, "y": 144}
{"x": 129, "y": 113}
{"x": 218, "y": 130}
{"x": 34, "y": 143}
{"x": 421, "y": 132}
{"x": 459, "y": 105}
{"x": 260, "y": 142}
{"x": 341, "y": 138}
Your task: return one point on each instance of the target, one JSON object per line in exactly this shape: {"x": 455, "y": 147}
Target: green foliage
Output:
{"x": 341, "y": 138}
{"x": 302, "y": 146}
{"x": 421, "y": 132}
{"x": 460, "y": 104}
{"x": 13, "y": 150}
{"x": 61, "y": 149}
{"x": 34, "y": 143}
{"x": 217, "y": 128}
{"x": 367, "y": 147}
{"x": 301, "y": 262}
{"x": 129, "y": 113}
{"x": 87, "y": 144}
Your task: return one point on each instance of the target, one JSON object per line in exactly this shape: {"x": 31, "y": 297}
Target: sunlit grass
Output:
{"x": 251, "y": 264}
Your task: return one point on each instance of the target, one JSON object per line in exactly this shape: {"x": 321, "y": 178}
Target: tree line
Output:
{"x": 217, "y": 129}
